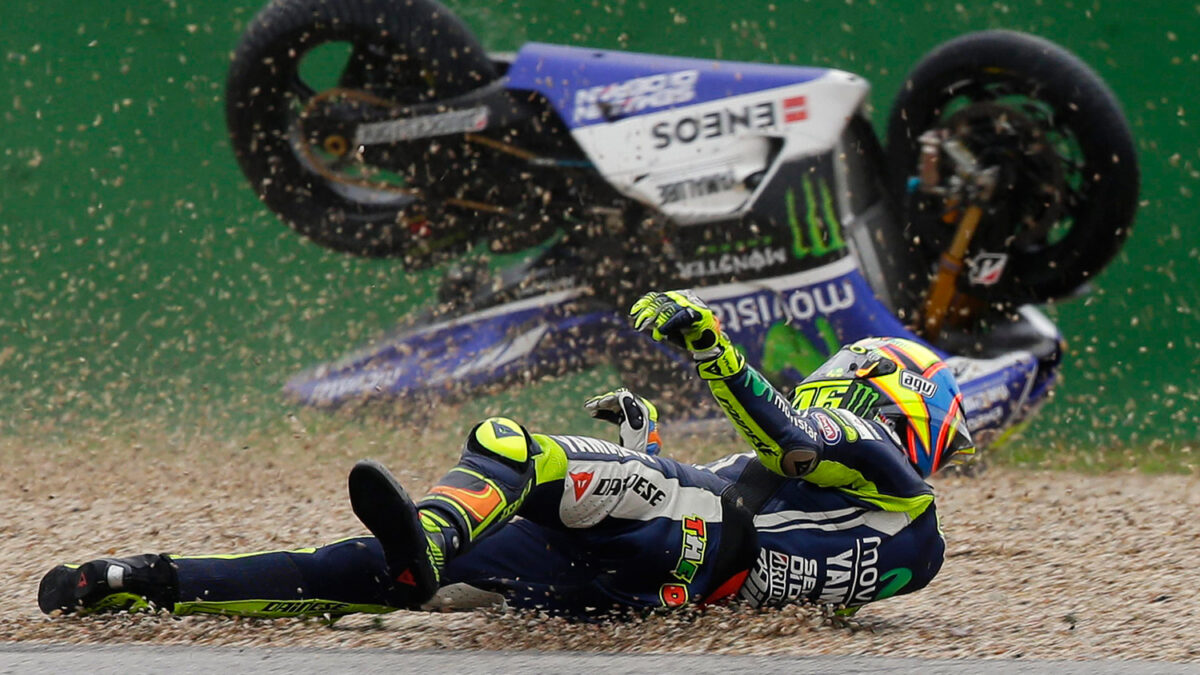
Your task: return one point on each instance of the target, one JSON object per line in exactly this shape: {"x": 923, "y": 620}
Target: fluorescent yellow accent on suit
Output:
{"x": 832, "y": 474}
{"x": 551, "y": 463}
{"x": 728, "y": 363}
{"x": 503, "y": 437}
{"x": 278, "y": 609}
{"x": 768, "y": 450}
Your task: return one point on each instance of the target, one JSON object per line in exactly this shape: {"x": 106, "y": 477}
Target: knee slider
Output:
{"x": 502, "y": 438}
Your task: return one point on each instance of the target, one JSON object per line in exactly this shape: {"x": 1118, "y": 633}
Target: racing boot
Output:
{"x": 140, "y": 583}
{"x": 476, "y": 497}
{"x": 414, "y": 558}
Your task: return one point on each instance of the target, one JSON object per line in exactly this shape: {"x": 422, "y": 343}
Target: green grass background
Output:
{"x": 143, "y": 281}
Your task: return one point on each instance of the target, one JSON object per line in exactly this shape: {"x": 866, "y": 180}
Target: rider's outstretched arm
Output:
{"x": 849, "y": 453}
{"x": 785, "y": 443}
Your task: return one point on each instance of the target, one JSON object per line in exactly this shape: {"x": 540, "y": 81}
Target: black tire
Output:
{"x": 407, "y": 51}
{"x": 1058, "y": 231}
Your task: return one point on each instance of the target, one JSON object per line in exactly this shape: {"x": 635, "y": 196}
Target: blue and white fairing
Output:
{"x": 805, "y": 316}
{"x": 652, "y": 125}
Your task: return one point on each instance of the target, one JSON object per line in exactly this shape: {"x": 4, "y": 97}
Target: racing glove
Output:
{"x": 637, "y": 418}
{"x": 684, "y": 321}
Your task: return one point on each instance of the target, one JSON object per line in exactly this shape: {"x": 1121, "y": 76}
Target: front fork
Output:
{"x": 966, "y": 191}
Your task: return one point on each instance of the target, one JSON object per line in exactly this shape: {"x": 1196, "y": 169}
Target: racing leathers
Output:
{"x": 582, "y": 526}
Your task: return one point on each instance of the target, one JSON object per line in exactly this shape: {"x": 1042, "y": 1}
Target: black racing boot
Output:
{"x": 136, "y": 584}
{"x": 414, "y": 559}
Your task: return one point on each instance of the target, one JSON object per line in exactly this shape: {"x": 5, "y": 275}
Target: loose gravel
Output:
{"x": 1040, "y": 564}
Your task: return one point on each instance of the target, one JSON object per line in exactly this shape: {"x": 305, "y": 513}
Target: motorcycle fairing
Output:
{"x": 787, "y": 325}
{"x": 595, "y": 86}
{"x": 698, "y": 140}
{"x": 537, "y": 335}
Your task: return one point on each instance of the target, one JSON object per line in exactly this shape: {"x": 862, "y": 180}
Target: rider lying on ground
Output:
{"x": 830, "y": 508}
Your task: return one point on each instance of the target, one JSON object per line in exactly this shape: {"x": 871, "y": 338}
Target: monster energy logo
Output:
{"x": 861, "y": 399}
{"x": 824, "y": 228}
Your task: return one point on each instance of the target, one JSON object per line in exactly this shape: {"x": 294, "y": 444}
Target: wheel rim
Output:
{"x": 1042, "y": 163}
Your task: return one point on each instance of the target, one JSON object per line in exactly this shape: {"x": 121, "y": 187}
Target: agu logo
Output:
{"x": 914, "y": 382}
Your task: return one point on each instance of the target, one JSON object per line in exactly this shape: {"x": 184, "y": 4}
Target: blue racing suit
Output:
{"x": 586, "y": 526}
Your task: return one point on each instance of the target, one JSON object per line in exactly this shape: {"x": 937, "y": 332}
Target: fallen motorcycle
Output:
{"x": 1008, "y": 177}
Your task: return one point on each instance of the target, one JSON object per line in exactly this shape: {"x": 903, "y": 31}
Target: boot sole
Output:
{"x": 389, "y": 513}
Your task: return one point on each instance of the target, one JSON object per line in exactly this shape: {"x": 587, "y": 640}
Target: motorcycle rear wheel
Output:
{"x": 402, "y": 51}
{"x": 1069, "y": 176}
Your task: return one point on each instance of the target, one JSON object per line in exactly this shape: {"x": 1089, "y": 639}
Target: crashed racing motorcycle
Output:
{"x": 558, "y": 183}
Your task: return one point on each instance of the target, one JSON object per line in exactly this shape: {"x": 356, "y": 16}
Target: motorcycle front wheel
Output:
{"x": 403, "y": 52}
{"x": 1068, "y": 175}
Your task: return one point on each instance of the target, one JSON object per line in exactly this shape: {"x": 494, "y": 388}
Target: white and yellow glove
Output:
{"x": 636, "y": 417}
{"x": 683, "y": 320}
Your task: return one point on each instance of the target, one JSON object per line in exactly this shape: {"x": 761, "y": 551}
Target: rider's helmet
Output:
{"x": 902, "y": 384}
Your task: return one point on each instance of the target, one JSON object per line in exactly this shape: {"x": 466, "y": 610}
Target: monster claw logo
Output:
{"x": 824, "y": 233}
{"x": 695, "y": 540}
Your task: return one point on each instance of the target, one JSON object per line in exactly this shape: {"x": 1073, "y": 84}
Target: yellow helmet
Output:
{"x": 901, "y": 383}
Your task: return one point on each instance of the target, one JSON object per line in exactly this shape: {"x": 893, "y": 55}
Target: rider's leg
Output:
{"x": 341, "y": 578}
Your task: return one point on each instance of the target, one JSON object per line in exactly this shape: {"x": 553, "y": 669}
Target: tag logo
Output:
{"x": 914, "y": 382}
{"x": 795, "y": 109}
{"x": 986, "y": 268}
{"x": 829, "y": 430}
{"x": 501, "y": 430}
{"x": 580, "y": 481}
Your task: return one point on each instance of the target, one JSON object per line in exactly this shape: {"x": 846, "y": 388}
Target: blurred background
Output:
{"x": 145, "y": 284}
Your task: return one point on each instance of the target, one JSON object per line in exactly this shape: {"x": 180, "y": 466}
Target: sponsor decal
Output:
{"x": 849, "y": 419}
{"x": 795, "y": 109}
{"x": 793, "y": 306}
{"x": 580, "y": 481}
{"x": 298, "y": 606}
{"x": 706, "y": 126}
{"x": 441, "y": 124}
{"x": 695, "y": 540}
{"x": 760, "y": 388}
{"x": 673, "y": 595}
{"x": 821, "y": 231}
{"x": 851, "y": 576}
{"x": 861, "y": 399}
{"x": 914, "y": 382}
{"x": 635, "y": 95}
{"x": 976, "y": 421}
{"x": 732, "y": 263}
{"x": 734, "y": 246}
{"x": 985, "y": 269}
{"x": 615, "y": 487}
{"x": 986, "y": 398}
{"x": 830, "y": 430}
{"x": 806, "y": 428}
{"x": 848, "y": 429}
{"x": 693, "y": 188}
{"x": 894, "y": 581}
{"x": 778, "y": 578}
